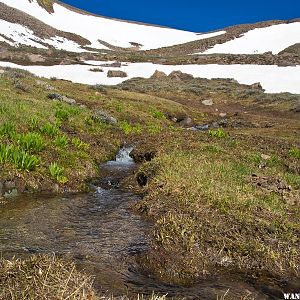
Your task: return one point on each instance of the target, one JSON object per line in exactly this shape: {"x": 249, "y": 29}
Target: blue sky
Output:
{"x": 193, "y": 15}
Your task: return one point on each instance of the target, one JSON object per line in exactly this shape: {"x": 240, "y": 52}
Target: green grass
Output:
{"x": 206, "y": 210}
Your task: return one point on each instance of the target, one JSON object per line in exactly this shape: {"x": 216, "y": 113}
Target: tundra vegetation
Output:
{"x": 223, "y": 200}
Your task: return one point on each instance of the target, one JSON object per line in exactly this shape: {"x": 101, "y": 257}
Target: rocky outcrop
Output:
{"x": 180, "y": 76}
{"x": 158, "y": 75}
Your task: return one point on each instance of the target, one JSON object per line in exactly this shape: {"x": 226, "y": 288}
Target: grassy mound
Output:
{"x": 223, "y": 204}
{"x": 43, "y": 277}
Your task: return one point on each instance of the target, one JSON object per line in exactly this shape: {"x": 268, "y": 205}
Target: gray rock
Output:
{"x": 208, "y": 102}
{"x": 256, "y": 85}
{"x": 9, "y": 185}
{"x": 11, "y": 194}
{"x": 113, "y": 73}
{"x": 56, "y": 96}
{"x": 186, "y": 122}
{"x": 102, "y": 116}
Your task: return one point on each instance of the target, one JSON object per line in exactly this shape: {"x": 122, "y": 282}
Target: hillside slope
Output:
{"x": 100, "y": 31}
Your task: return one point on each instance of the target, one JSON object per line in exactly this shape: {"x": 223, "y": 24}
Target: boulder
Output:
{"x": 158, "y": 75}
{"x": 256, "y": 85}
{"x": 102, "y": 116}
{"x": 179, "y": 76}
{"x": 113, "y": 73}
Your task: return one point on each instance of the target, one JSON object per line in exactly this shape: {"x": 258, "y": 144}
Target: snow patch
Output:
{"x": 274, "y": 38}
{"x": 17, "y": 35}
{"x": 273, "y": 79}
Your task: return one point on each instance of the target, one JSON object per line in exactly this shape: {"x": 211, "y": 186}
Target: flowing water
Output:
{"x": 103, "y": 235}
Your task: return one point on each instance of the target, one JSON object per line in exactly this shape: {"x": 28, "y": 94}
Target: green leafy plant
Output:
{"x": 295, "y": 152}
{"x": 61, "y": 141}
{"x": 218, "y": 133}
{"x": 49, "y": 129}
{"x": 57, "y": 173}
{"x": 79, "y": 144}
{"x": 63, "y": 113}
{"x": 32, "y": 142}
{"x": 21, "y": 159}
{"x": 8, "y": 129}
{"x": 157, "y": 114}
{"x": 5, "y": 153}
{"x": 127, "y": 128}
{"x": 34, "y": 123}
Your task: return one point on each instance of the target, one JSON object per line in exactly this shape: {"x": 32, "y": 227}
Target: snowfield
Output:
{"x": 16, "y": 35}
{"x": 260, "y": 40}
{"x": 97, "y": 29}
{"x": 273, "y": 79}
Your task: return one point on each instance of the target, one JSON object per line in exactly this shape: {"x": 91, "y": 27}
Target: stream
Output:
{"x": 103, "y": 235}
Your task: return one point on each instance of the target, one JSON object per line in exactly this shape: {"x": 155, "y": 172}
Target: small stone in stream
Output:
{"x": 222, "y": 115}
{"x": 208, "y": 102}
{"x": 102, "y": 116}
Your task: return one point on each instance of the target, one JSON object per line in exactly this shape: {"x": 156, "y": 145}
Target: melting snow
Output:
{"x": 273, "y": 79}
{"x": 260, "y": 40}
{"x": 17, "y": 35}
{"x": 118, "y": 33}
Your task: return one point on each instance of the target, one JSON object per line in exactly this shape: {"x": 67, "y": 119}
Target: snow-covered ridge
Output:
{"x": 16, "y": 35}
{"x": 260, "y": 40}
{"x": 273, "y": 79}
{"x": 97, "y": 29}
